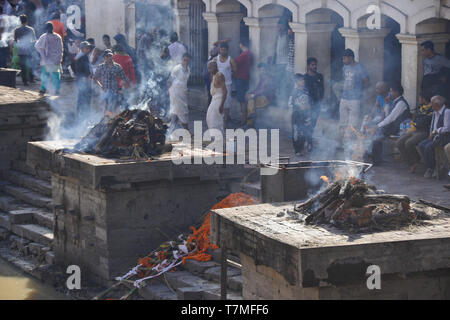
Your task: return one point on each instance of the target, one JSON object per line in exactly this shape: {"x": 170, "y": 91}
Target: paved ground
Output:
{"x": 393, "y": 176}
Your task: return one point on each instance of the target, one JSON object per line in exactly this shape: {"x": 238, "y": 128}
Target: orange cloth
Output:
{"x": 201, "y": 237}
{"x": 59, "y": 28}
{"x": 127, "y": 65}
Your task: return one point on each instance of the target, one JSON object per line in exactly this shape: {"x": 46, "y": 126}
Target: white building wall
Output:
{"x": 110, "y": 17}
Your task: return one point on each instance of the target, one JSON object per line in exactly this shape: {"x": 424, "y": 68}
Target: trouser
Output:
{"x": 301, "y": 130}
{"x": 84, "y": 97}
{"x": 447, "y": 152}
{"x": 349, "y": 111}
{"x": 315, "y": 112}
{"x": 26, "y": 68}
{"x": 376, "y": 154}
{"x": 56, "y": 79}
{"x": 253, "y": 104}
{"x": 110, "y": 99}
{"x": 427, "y": 149}
{"x": 407, "y": 144}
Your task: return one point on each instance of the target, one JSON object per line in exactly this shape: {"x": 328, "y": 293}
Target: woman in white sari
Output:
{"x": 178, "y": 92}
{"x": 214, "y": 117}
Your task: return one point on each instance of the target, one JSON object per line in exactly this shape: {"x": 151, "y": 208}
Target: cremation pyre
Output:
{"x": 132, "y": 133}
{"x": 355, "y": 205}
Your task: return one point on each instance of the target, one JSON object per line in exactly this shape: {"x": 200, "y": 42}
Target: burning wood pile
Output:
{"x": 132, "y": 133}
{"x": 351, "y": 204}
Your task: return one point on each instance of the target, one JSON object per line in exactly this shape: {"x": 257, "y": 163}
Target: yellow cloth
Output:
{"x": 253, "y": 104}
{"x": 425, "y": 109}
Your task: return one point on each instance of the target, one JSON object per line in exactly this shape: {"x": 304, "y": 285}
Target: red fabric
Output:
{"x": 58, "y": 27}
{"x": 127, "y": 65}
{"x": 243, "y": 62}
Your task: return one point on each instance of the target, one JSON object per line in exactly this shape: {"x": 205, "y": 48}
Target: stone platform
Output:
{"x": 23, "y": 118}
{"x": 110, "y": 212}
{"x": 285, "y": 259}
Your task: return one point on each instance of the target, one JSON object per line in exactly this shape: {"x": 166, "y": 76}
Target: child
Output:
{"x": 300, "y": 102}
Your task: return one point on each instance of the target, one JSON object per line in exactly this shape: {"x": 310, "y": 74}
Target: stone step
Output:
{"x": 157, "y": 291}
{"x": 21, "y": 216}
{"x": 198, "y": 267}
{"x": 28, "y": 196}
{"x": 44, "y": 218}
{"x": 8, "y": 203}
{"x": 191, "y": 287}
{"x": 252, "y": 189}
{"x": 27, "y": 264}
{"x": 27, "y": 181}
{"x": 34, "y": 233}
{"x": 4, "y": 220}
{"x": 234, "y": 277}
{"x": 24, "y": 168}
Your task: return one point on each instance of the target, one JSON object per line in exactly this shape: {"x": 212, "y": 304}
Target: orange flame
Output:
{"x": 325, "y": 178}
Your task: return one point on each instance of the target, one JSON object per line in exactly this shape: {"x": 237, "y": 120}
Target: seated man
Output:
{"x": 391, "y": 124}
{"x": 447, "y": 153}
{"x": 439, "y": 135}
{"x": 261, "y": 96}
{"x": 378, "y": 113}
{"x": 420, "y": 129}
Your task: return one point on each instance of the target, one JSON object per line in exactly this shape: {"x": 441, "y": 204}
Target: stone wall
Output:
{"x": 106, "y": 231}
{"x": 23, "y": 118}
{"x": 263, "y": 282}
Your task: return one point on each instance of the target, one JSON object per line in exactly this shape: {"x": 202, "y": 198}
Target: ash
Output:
{"x": 131, "y": 134}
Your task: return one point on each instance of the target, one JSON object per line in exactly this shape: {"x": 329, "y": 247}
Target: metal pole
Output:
{"x": 223, "y": 273}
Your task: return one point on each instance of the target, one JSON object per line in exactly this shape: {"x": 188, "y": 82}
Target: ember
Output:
{"x": 132, "y": 133}
{"x": 354, "y": 205}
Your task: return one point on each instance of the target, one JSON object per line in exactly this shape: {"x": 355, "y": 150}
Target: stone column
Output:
{"x": 213, "y": 28}
{"x": 411, "y": 65}
{"x": 371, "y": 52}
{"x": 182, "y": 21}
{"x": 254, "y": 29}
{"x": 352, "y": 40}
{"x": 412, "y": 61}
{"x": 319, "y": 46}
{"x": 230, "y": 27}
{"x": 130, "y": 23}
{"x": 301, "y": 46}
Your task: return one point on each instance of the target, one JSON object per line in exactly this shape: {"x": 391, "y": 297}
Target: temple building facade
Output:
{"x": 385, "y": 35}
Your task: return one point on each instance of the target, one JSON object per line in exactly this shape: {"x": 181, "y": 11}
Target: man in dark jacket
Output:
{"x": 391, "y": 124}
{"x": 81, "y": 68}
{"x": 420, "y": 129}
{"x": 315, "y": 86}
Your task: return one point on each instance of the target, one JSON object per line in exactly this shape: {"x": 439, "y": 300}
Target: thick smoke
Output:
{"x": 8, "y": 24}
{"x": 153, "y": 21}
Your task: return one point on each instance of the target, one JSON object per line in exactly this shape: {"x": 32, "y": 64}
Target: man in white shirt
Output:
{"x": 176, "y": 49}
{"x": 439, "y": 134}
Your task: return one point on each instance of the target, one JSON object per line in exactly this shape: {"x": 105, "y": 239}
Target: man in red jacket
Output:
{"x": 126, "y": 63}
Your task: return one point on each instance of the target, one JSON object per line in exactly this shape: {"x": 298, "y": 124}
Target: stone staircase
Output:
{"x": 26, "y": 236}
{"x": 26, "y": 219}
{"x": 195, "y": 281}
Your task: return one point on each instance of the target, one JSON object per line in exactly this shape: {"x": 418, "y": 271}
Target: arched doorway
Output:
{"x": 269, "y": 17}
{"x": 392, "y": 69}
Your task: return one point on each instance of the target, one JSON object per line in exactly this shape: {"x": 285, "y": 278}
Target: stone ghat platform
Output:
{"x": 23, "y": 118}
{"x": 110, "y": 212}
{"x": 285, "y": 259}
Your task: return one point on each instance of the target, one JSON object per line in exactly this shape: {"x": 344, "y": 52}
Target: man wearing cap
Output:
{"x": 82, "y": 70}
{"x": 108, "y": 74}
{"x": 356, "y": 79}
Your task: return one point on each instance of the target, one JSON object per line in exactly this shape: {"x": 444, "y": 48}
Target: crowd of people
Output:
{"x": 160, "y": 68}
